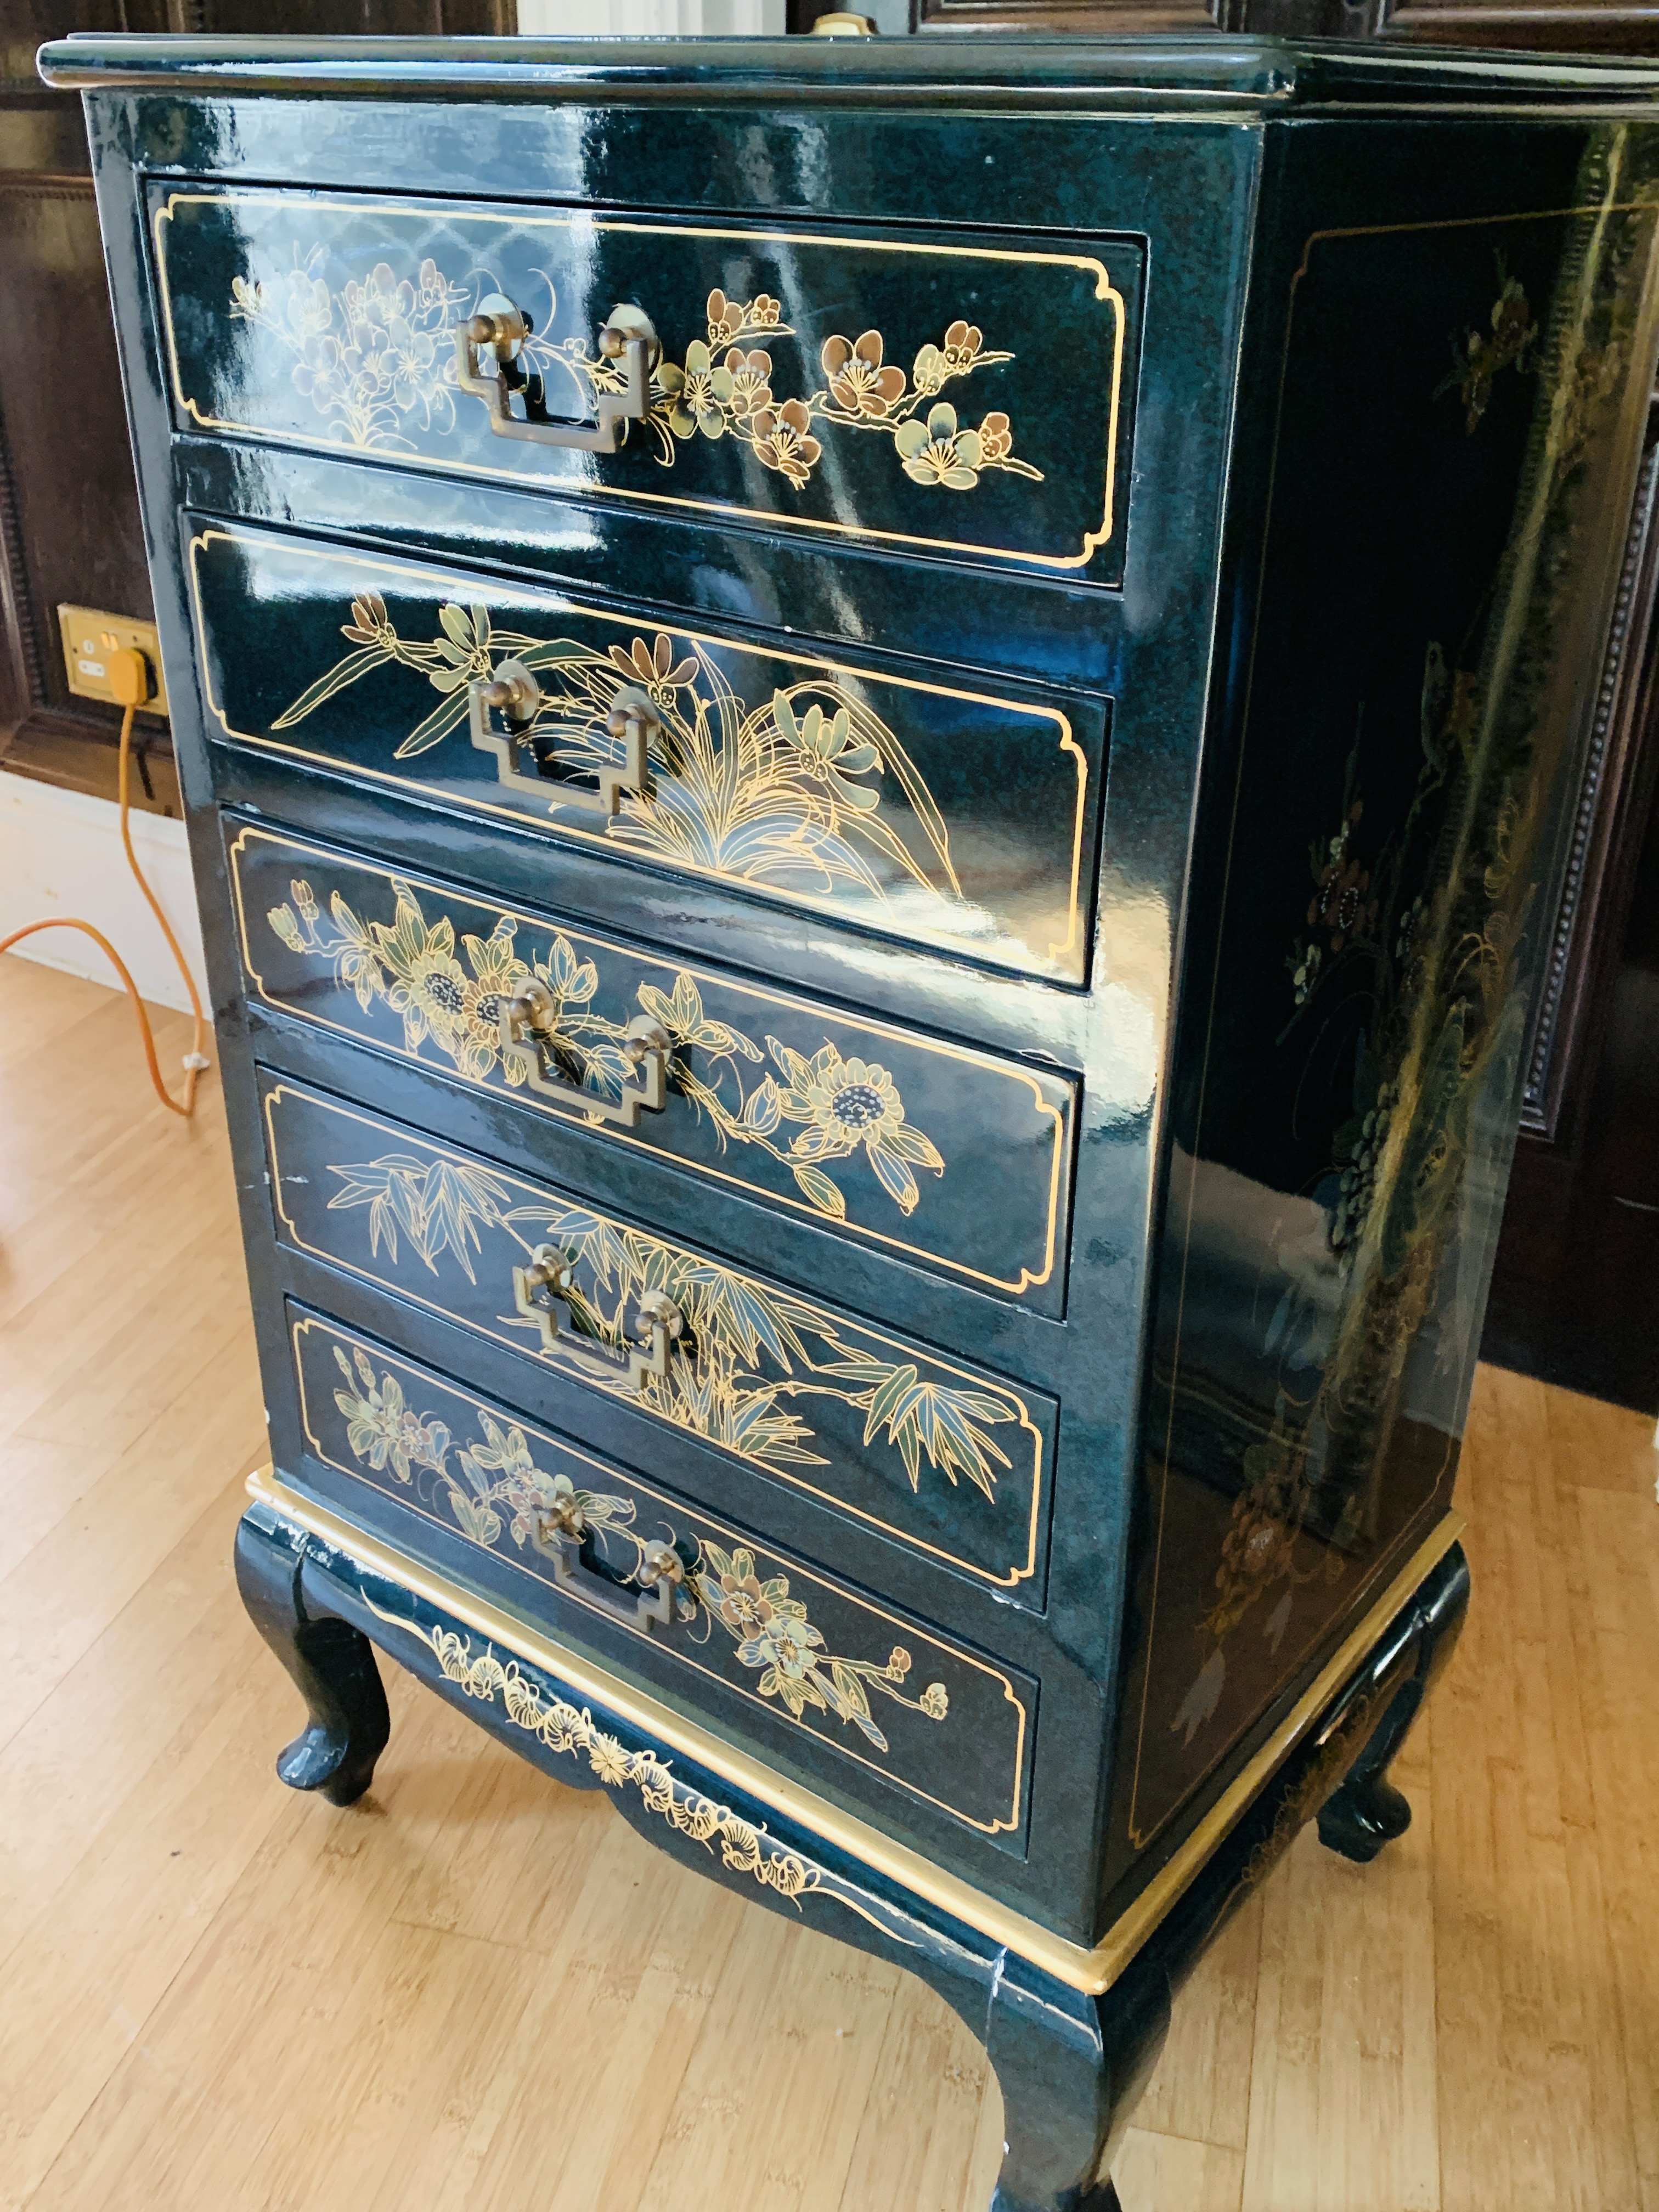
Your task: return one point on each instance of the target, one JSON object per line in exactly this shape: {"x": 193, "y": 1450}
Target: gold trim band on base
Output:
{"x": 1091, "y": 1971}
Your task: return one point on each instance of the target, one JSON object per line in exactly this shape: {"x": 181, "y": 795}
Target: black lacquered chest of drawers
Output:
{"x": 873, "y": 741}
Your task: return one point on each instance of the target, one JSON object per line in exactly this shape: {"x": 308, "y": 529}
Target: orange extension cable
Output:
{"x": 196, "y": 1059}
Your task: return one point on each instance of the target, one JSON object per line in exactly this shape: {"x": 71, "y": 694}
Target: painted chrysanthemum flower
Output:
{"x": 497, "y": 974}
{"x": 783, "y": 441}
{"x": 428, "y": 985}
{"x": 936, "y": 452}
{"x": 858, "y": 383}
{"x": 846, "y": 1104}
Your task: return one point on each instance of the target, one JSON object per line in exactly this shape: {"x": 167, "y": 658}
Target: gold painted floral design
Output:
{"x": 717, "y": 1386}
{"x": 726, "y": 387}
{"x": 838, "y": 1109}
{"x": 497, "y": 1475}
{"x": 774, "y": 1636}
{"x": 1480, "y": 356}
{"x": 1419, "y": 938}
{"x": 374, "y": 359}
{"x": 375, "y": 356}
{"x": 744, "y": 1847}
{"x": 789, "y": 793}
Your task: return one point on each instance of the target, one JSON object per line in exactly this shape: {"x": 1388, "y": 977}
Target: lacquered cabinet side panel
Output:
{"x": 1445, "y": 514}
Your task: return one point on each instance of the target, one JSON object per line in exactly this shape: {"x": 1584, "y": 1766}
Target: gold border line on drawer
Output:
{"x": 302, "y": 203}
{"x": 301, "y": 851}
{"x": 434, "y": 580}
{"x": 1091, "y": 1970}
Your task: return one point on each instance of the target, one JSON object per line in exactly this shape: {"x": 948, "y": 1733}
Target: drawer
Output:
{"x": 943, "y": 813}
{"x": 952, "y": 393}
{"x": 747, "y": 1632}
{"x": 863, "y": 1129}
{"x": 935, "y": 1454}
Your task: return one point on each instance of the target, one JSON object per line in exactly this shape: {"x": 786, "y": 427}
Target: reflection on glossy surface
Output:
{"x": 1342, "y": 1164}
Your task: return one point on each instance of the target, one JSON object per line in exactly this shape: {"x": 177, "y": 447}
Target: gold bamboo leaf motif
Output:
{"x": 747, "y": 1366}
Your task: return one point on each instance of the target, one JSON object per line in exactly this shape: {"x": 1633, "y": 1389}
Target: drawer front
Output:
{"x": 864, "y": 1128}
{"x": 747, "y": 1622}
{"x": 914, "y": 389}
{"x": 935, "y": 1454}
{"x": 933, "y": 811}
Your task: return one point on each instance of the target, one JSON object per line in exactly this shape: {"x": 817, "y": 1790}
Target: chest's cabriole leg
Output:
{"x": 331, "y": 1664}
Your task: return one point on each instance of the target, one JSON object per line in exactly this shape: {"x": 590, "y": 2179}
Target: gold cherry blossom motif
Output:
{"x": 858, "y": 382}
{"x": 373, "y": 359}
{"x": 783, "y": 440}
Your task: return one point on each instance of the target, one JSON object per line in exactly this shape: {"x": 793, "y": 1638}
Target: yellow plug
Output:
{"x": 129, "y": 676}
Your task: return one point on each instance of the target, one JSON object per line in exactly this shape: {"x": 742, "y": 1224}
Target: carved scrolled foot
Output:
{"x": 330, "y": 1664}
{"x": 1362, "y": 1817}
{"x": 1367, "y": 1811}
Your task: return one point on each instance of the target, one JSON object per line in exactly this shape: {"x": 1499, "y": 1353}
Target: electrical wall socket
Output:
{"x": 89, "y": 637}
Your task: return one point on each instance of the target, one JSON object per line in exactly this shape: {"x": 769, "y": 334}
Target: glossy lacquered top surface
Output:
{"x": 1204, "y": 72}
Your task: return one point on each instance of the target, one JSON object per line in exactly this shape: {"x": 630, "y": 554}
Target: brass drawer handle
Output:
{"x": 527, "y": 1018}
{"x": 559, "y": 1534}
{"x": 537, "y": 1291}
{"x": 502, "y": 329}
{"x": 513, "y": 693}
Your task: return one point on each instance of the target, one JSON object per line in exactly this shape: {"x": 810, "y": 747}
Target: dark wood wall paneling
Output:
{"x": 1575, "y": 1297}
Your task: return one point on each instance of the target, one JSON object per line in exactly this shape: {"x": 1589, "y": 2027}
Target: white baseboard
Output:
{"x": 60, "y": 853}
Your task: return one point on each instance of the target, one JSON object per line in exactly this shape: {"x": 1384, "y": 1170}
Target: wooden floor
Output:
{"x": 477, "y": 1992}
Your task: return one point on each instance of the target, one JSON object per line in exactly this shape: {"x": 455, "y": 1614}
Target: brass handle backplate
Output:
{"x": 526, "y": 1020}
{"x": 653, "y": 1596}
{"x": 513, "y": 693}
{"x": 502, "y": 329}
{"x": 537, "y": 1292}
